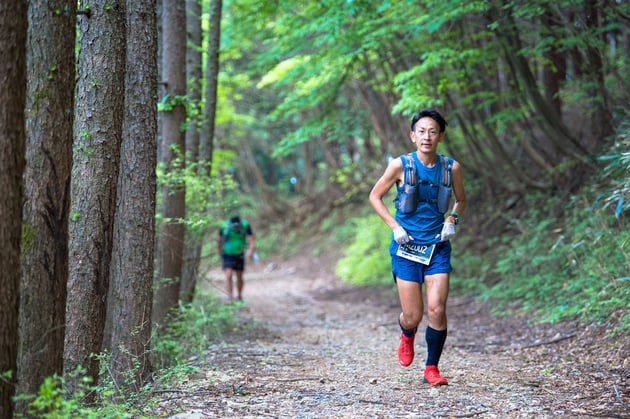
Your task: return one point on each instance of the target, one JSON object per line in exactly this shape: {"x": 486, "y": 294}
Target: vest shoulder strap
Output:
{"x": 409, "y": 169}
{"x": 447, "y": 165}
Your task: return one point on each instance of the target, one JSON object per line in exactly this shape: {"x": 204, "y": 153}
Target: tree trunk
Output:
{"x": 602, "y": 125}
{"x": 13, "y": 26}
{"x": 192, "y": 244}
{"x": 554, "y": 66}
{"x": 212, "y": 75}
{"x": 171, "y": 237}
{"x": 554, "y": 128}
{"x": 194, "y": 75}
{"x": 129, "y": 308}
{"x": 96, "y": 157}
{"x": 206, "y": 143}
{"x": 50, "y": 99}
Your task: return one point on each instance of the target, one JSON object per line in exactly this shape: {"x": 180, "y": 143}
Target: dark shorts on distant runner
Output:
{"x": 408, "y": 270}
{"x": 234, "y": 262}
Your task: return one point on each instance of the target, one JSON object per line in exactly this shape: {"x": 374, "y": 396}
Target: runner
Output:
{"x": 234, "y": 237}
{"x": 421, "y": 249}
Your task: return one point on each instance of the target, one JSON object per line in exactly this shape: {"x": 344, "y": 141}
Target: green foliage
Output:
{"x": 366, "y": 260}
{"x": 51, "y": 72}
{"x": 193, "y": 327}
{"x": 170, "y": 102}
{"x": 342, "y": 73}
{"x": 471, "y": 270}
{"x": 576, "y": 265}
{"x": 54, "y": 402}
{"x": 207, "y": 197}
{"x": 5, "y": 377}
{"x": 561, "y": 271}
{"x": 276, "y": 240}
{"x": 618, "y": 171}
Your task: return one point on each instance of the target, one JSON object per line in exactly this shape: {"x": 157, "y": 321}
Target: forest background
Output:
{"x": 130, "y": 130}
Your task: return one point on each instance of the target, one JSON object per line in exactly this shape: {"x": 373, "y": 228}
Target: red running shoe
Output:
{"x": 405, "y": 350}
{"x": 432, "y": 376}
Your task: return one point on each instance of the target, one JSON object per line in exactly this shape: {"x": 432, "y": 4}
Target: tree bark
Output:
{"x": 554, "y": 65}
{"x": 194, "y": 73}
{"x": 96, "y": 158}
{"x": 13, "y": 27}
{"x": 171, "y": 236}
{"x": 129, "y": 307}
{"x": 212, "y": 76}
{"x": 602, "y": 126}
{"x": 206, "y": 143}
{"x": 50, "y": 101}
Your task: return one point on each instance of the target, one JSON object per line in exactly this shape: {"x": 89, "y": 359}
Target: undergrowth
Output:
{"x": 578, "y": 268}
{"x": 193, "y": 328}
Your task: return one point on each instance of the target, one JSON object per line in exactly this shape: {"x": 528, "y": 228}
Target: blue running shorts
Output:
{"x": 409, "y": 270}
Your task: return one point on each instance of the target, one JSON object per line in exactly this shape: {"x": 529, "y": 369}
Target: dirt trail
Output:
{"x": 312, "y": 347}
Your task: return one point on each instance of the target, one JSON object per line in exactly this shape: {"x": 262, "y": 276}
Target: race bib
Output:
{"x": 416, "y": 252}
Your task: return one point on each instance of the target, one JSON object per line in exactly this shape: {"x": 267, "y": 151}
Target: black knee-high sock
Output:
{"x": 407, "y": 332}
{"x": 435, "y": 344}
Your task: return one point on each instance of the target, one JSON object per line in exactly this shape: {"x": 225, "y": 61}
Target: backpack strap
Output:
{"x": 447, "y": 165}
{"x": 225, "y": 228}
{"x": 228, "y": 226}
{"x": 244, "y": 227}
{"x": 409, "y": 169}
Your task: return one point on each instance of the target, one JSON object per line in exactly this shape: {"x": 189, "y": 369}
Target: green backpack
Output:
{"x": 234, "y": 236}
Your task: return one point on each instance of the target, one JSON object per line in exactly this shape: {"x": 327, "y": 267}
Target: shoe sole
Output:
{"x": 445, "y": 383}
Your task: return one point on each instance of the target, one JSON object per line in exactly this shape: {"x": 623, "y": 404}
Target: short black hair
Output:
{"x": 235, "y": 219}
{"x": 431, "y": 113}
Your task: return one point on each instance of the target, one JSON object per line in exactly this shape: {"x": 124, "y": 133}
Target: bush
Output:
{"x": 366, "y": 260}
{"x": 576, "y": 265}
{"x": 193, "y": 327}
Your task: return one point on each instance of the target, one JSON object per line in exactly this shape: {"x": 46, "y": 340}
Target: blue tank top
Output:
{"x": 425, "y": 223}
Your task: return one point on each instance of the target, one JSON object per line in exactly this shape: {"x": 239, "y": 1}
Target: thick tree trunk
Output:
{"x": 49, "y": 118}
{"x": 96, "y": 157}
{"x": 13, "y": 24}
{"x": 129, "y": 307}
{"x": 171, "y": 237}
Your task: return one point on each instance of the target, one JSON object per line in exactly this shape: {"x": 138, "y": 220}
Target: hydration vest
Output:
{"x": 408, "y": 195}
